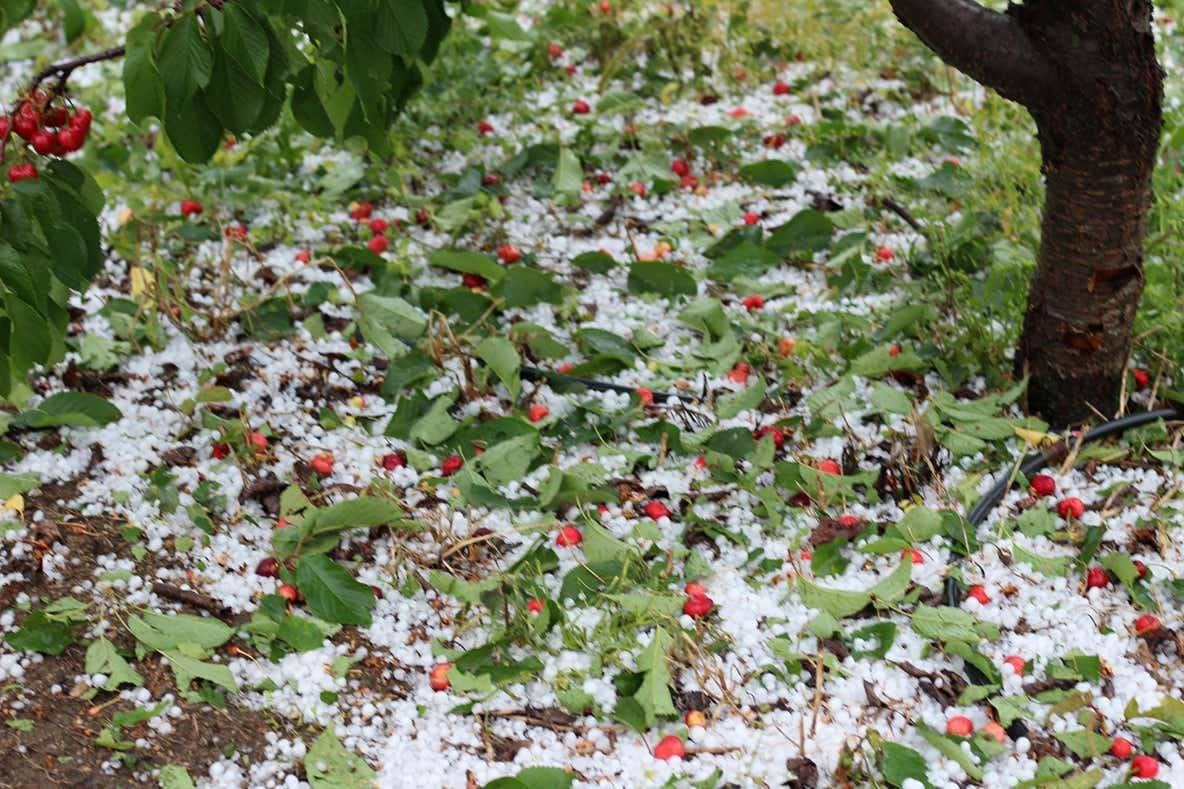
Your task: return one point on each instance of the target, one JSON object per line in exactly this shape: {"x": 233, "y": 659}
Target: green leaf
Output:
{"x": 920, "y": 525}
{"x": 382, "y": 319}
{"x": 14, "y": 484}
{"x": 502, "y": 357}
{"x": 329, "y": 765}
{"x": 75, "y": 409}
{"x": 839, "y": 603}
{"x": 467, "y": 262}
{"x": 168, "y": 631}
{"x": 663, "y": 279}
{"x": 654, "y": 693}
{"x": 187, "y": 668}
{"x": 102, "y": 658}
{"x": 332, "y": 593}
{"x": 945, "y": 623}
{"x": 174, "y": 776}
{"x": 401, "y": 27}
{"x": 142, "y": 86}
{"x": 184, "y": 60}
{"x": 770, "y": 172}
{"x": 508, "y": 460}
{"x": 39, "y": 633}
{"x": 731, "y": 405}
{"x": 245, "y": 42}
{"x": 951, "y": 749}
{"x": 569, "y": 174}
{"x": 890, "y": 400}
{"x": 893, "y": 587}
{"x": 535, "y": 778}
{"x": 193, "y": 130}
{"x": 524, "y": 287}
{"x": 808, "y": 231}
{"x": 1084, "y": 743}
{"x": 902, "y": 763}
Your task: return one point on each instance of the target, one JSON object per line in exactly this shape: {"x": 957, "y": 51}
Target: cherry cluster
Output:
{"x": 49, "y": 128}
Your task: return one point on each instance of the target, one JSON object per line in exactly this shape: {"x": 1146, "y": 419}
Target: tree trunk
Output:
{"x": 1087, "y": 72}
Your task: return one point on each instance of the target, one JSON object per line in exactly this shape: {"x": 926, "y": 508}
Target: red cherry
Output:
{"x": 978, "y": 593}
{"x": 1140, "y": 568}
{"x": 491, "y": 179}
{"x": 753, "y": 302}
{"x": 1121, "y": 748}
{"x": 237, "y": 231}
{"x": 379, "y": 226}
{"x": 656, "y": 510}
{"x": 303, "y": 256}
{"x": 438, "y": 677}
{"x": 451, "y": 465}
{"x": 322, "y": 464}
{"x": 57, "y": 117}
{"x": 1096, "y": 578}
{"x": 829, "y": 466}
{"x": 689, "y": 182}
{"x": 378, "y": 244}
{"x": 777, "y": 434}
{"x": 959, "y": 726}
{"x": 484, "y": 128}
{"x": 669, "y": 747}
{"x": 1017, "y": 663}
{"x": 282, "y": 523}
{"x": 775, "y": 140}
{"x": 1042, "y": 485}
{"x": 44, "y": 142}
{"x": 554, "y": 51}
{"x": 884, "y": 254}
{"x": 25, "y": 125}
{"x": 535, "y": 606}
{"x": 22, "y": 172}
{"x": 257, "y": 440}
{"x": 5, "y": 129}
{"x": 849, "y": 521}
{"x": 637, "y": 188}
{"x": 806, "y": 553}
{"x": 780, "y": 88}
{"x": 680, "y": 167}
{"x": 220, "y": 451}
{"x": 701, "y": 462}
{"x": 793, "y": 120}
{"x": 563, "y": 368}
{"x": 695, "y": 589}
{"x": 508, "y": 253}
{"x": 605, "y": 7}
{"x": 603, "y": 178}
{"x": 645, "y": 395}
{"x": 70, "y": 140}
{"x": 894, "y": 350}
{"x": 472, "y": 280}
{"x": 580, "y": 107}
{"x": 1147, "y": 623}
{"x": 1142, "y": 378}
{"x": 1143, "y": 766}
{"x": 361, "y": 211}
{"x": 739, "y": 373}
{"x": 81, "y": 120}
{"x": 751, "y": 217}
{"x": 568, "y": 537}
{"x": 268, "y": 567}
{"x": 914, "y": 555}
{"x": 421, "y": 217}
{"x": 289, "y": 593}
{"x": 191, "y": 208}
{"x": 1070, "y": 508}
{"x": 698, "y": 606}
{"x": 738, "y": 112}
{"x": 394, "y": 460}
{"x": 538, "y": 412}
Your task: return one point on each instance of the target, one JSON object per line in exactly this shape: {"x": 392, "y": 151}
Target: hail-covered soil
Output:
{"x": 534, "y": 573}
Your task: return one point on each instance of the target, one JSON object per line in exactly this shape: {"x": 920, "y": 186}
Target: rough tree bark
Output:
{"x": 1086, "y": 71}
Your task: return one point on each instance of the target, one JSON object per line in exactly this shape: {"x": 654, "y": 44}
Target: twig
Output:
{"x": 64, "y": 69}
{"x": 195, "y": 599}
{"x": 903, "y": 213}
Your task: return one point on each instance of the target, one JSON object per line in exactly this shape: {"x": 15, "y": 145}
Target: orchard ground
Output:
{"x": 334, "y": 524}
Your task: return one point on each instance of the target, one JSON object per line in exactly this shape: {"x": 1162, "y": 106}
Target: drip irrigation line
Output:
{"x": 952, "y": 590}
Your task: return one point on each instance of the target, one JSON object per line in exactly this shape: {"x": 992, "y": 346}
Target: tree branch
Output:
{"x": 64, "y": 69}
{"x": 990, "y": 47}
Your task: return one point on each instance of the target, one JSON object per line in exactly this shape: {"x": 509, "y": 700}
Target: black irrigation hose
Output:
{"x": 952, "y": 591}
{"x": 550, "y": 376}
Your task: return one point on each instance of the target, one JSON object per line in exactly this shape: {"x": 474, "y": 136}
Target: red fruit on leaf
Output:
{"x": 237, "y": 231}
{"x": 289, "y": 593}
{"x": 220, "y": 451}
{"x": 44, "y": 142}
{"x": 257, "y": 440}
{"x": 695, "y": 589}
{"x": 700, "y": 462}
{"x": 780, "y": 88}
{"x": 484, "y": 128}
{"x": 303, "y": 256}
{"x": 1042, "y": 485}
{"x": 913, "y": 555}
{"x": 656, "y": 510}
{"x": 190, "y": 208}
{"x": 535, "y": 606}
{"x": 884, "y": 254}
{"x": 361, "y": 211}
{"x": 680, "y": 167}
{"x": 753, "y": 302}
{"x": 537, "y": 412}
{"x": 751, "y": 217}
{"x": 322, "y": 464}
{"x": 806, "y": 554}
{"x": 421, "y": 217}
{"x": 1140, "y": 568}
{"x": 268, "y": 567}
{"x": 1096, "y": 578}
{"x": 739, "y": 373}
{"x": 776, "y": 433}
{"x": 794, "y": 120}
{"x": 605, "y": 7}
{"x": 603, "y": 179}
{"x": 394, "y": 460}
{"x": 959, "y": 726}
{"x": 1070, "y": 508}
{"x": 554, "y": 51}
{"x": 580, "y": 107}
{"x": 438, "y": 677}
{"x": 645, "y": 395}
{"x": 282, "y": 523}
{"x": 775, "y": 140}
{"x": 637, "y": 188}
{"x": 979, "y": 593}
{"x": 70, "y": 140}
{"x": 1017, "y": 663}
{"x": 508, "y": 253}
{"x": 689, "y": 182}
{"x": 378, "y": 244}
{"x": 698, "y": 606}
{"x": 829, "y": 466}
{"x": 1146, "y": 767}
{"x": 451, "y": 465}
{"x": 569, "y": 537}
{"x": 563, "y": 368}
{"x": 849, "y": 521}
{"x": 1147, "y": 623}
{"x": 894, "y": 350}
{"x": 379, "y": 226}
{"x": 1142, "y": 378}
{"x": 1121, "y": 748}
{"x": 738, "y": 112}
{"x": 669, "y": 747}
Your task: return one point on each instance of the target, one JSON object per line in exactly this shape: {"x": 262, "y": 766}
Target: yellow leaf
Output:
{"x": 15, "y": 504}
{"x": 142, "y": 285}
{"x": 1034, "y": 437}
